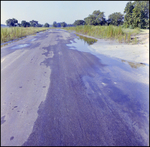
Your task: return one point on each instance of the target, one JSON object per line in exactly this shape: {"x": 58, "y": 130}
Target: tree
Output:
{"x": 58, "y": 24}
{"x": 70, "y": 25}
{"x": 63, "y": 24}
{"x": 54, "y": 24}
{"x": 90, "y": 20}
{"x": 25, "y": 24}
{"x": 79, "y": 22}
{"x": 140, "y": 14}
{"x": 128, "y": 20}
{"x": 33, "y": 23}
{"x": 12, "y": 22}
{"x": 19, "y": 25}
{"x": 46, "y": 25}
{"x": 100, "y": 17}
{"x": 96, "y": 18}
{"x": 115, "y": 19}
{"x": 39, "y": 25}
{"x": 137, "y": 14}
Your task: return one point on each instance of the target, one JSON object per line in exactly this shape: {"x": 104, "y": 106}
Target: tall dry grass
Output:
{"x": 106, "y": 32}
{"x": 12, "y": 33}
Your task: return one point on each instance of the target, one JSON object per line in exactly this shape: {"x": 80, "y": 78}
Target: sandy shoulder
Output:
{"x": 131, "y": 52}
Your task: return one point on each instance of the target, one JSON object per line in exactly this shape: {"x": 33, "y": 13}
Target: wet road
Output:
{"x": 55, "y": 90}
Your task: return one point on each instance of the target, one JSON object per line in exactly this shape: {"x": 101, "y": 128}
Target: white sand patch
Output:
{"x": 131, "y": 52}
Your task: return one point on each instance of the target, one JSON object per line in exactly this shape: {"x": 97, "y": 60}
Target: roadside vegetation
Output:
{"x": 121, "y": 27}
{"x": 107, "y": 32}
{"x": 8, "y": 34}
{"x": 88, "y": 40}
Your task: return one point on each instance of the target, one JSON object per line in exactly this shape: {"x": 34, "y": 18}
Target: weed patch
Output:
{"x": 8, "y": 34}
{"x": 108, "y": 32}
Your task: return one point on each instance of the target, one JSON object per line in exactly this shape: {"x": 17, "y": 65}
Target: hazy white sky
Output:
{"x": 59, "y": 11}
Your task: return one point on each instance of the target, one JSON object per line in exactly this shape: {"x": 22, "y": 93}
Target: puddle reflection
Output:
{"x": 88, "y": 40}
{"x": 20, "y": 46}
{"x": 33, "y": 39}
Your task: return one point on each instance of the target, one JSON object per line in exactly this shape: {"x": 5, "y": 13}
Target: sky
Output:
{"x": 59, "y": 11}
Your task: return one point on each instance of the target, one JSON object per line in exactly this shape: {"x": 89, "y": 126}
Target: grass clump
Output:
{"x": 8, "y": 34}
{"x": 135, "y": 41}
{"x": 106, "y": 32}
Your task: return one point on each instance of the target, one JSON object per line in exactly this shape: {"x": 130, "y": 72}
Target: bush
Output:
{"x": 131, "y": 27}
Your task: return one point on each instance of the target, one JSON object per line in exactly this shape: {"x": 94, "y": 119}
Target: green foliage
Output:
{"x": 96, "y": 18}
{"x": 25, "y": 24}
{"x": 46, "y": 25}
{"x": 135, "y": 40}
{"x": 115, "y": 19}
{"x": 12, "y": 22}
{"x": 70, "y": 25}
{"x": 79, "y": 22}
{"x": 90, "y": 20}
{"x": 137, "y": 14}
{"x": 63, "y": 24}
{"x": 19, "y": 25}
{"x": 130, "y": 27}
{"x": 33, "y": 23}
{"x": 128, "y": 20}
{"x": 54, "y": 24}
{"x": 59, "y": 24}
{"x": 109, "y": 32}
{"x": 39, "y": 25}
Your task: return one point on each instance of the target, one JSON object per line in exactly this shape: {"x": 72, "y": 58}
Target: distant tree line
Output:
{"x": 59, "y": 24}
{"x": 136, "y": 14}
{"x": 14, "y": 23}
{"x": 98, "y": 18}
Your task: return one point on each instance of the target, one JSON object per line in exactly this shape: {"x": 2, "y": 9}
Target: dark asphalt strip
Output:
{"x": 76, "y": 111}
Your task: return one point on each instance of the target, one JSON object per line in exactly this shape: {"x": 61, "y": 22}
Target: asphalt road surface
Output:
{"x": 54, "y": 91}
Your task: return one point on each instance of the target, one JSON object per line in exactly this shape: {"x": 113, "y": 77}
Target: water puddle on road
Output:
{"x": 83, "y": 46}
{"x": 80, "y": 45}
{"x": 20, "y": 46}
{"x": 139, "y": 70}
{"x": 33, "y": 39}
{"x": 88, "y": 40}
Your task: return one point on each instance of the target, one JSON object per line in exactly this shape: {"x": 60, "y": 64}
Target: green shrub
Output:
{"x": 130, "y": 27}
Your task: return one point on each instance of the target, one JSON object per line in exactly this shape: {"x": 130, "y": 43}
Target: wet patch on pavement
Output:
{"x": 134, "y": 64}
{"x": 11, "y": 138}
{"x": 90, "y": 101}
{"x": 14, "y": 107}
{"x": 3, "y": 119}
{"x": 20, "y": 46}
{"x": 85, "y": 105}
{"x": 88, "y": 40}
{"x": 33, "y": 39}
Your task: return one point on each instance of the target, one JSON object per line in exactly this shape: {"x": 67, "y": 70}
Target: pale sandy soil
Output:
{"x": 131, "y": 52}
